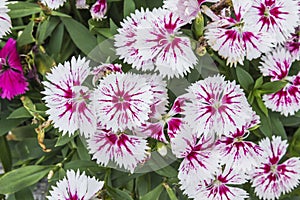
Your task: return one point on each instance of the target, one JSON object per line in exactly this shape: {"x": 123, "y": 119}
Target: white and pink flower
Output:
{"x": 155, "y": 126}
{"x": 234, "y": 39}
{"x": 293, "y": 44}
{"x": 119, "y": 148}
{"x": 187, "y": 10}
{"x": 200, "y": 160}
{"x": 216, "y": 106}
{"x": 54, "y": 4}
{"x": 277, "y": 65}
{"x": 272, "y": 179}
{"x": 68, "y": 100}
{"x": 99, "y": 9}
{"x": 123, "y": 101}
{"x": 75, "y": 186}
{"x": 222, "y": 186}
{"x": 152, "y": 41}
{"x": 103, "y": 70}
{"x": 5, "y": 21}
{"x": 278, "y": 18}
{"x": 238, "y": 153}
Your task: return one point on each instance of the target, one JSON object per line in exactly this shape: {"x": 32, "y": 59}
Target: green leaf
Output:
{"x": 26, "y": 37}
{"x": 19, "y": 113}
{"x": 272, "y": 87}
{"x": 118, "y": 194}
{"x": 153, "y": 194}
{"x": 277, "y": 127}
{"x": 21, "y": 178}
{"x": 294, "y": 147}
{"x": 170, "y": 192}
{"x": 24, "y": 194}
{"x": 5, "y": 155}
{"x": 22, "y": 9}
{"x": 262, "y": 106}
{"x": 82, "y": 149}
{"x": 80, "y": 35}
{"x": 64, "y": 139}
{"x": 168, "y": 171}
{"x": 244, "y": 78}
{"x": 129, "y": 7}
{"x": 258, "y": 82}
{"x": 9, "y": 123}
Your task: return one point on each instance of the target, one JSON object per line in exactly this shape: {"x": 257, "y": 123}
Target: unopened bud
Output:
{"x": 162, "y": 149}
{"x": 99, "y": 9}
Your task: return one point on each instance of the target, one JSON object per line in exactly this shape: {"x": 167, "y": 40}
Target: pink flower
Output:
{"x": 12, "y": 80}
{"x": 222, "y": 186}
{"x": 99, "y": 9}
{"x": 275, "y": 17}
{"x": 272, "y": 179}
{"x": 5, "y": 21}
{"x": 152, "y": 41}
{"x": 123, "y": 101}
{"x": 277, "y": 65}
{"x": 238, "y": 153}
{"x": 187, "y": 10}
{"x": 155, "y": 126}
{"x": 124, "y": 150}
{"x": 200, "y": 160}
{"x": 75, "y": 186}
{"x": 67, "y": 98}
{"x": 233, "y": 38}
{"x": 216, "y": 106}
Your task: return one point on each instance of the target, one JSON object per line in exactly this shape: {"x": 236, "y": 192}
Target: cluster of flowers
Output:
{"x": 207, "y": 127}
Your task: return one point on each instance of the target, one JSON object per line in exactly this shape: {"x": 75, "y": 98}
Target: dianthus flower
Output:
{"x": 123, "y": 101}
{"x": 234, "y": 39}
{"x": 99, "y": 9}
{"x": 293, "y": 44}
{"x": 75, "y": 186}
{"x": 68, "y": 99}
{"x": 200, "y": 160}
{"x": 187, "y": 10}
{"x": 152, "y": 41}
{"x": 12, "y": 80}
{"x": 275, "y": 17}
{"x": 277, "y": 65}
{"x": 117, "y": 147}
{"x": 272, "y": 179}
{"x": 216, "y": 106}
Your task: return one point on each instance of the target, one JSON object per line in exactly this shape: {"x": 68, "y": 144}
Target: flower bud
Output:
{"x": 99, "y": 9}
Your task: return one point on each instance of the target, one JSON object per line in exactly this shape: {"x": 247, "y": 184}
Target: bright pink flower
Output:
{"x": 200, "y": 160}
{"x": 272, "y": 179}
{"x": 67, "y": 98}
{"x": 233, "y": 38}
{"x": 75, "y": 186}
{"x": 216, "y": 106}
{"x": 187, "y": 10}
{"x": 99, "y": 9}
{"x": 238, "y": 153}
{"x": 275, "y": 17}
{"x": 277, "y": 65}
{"x": 155, "y": 126}
{"x": 123, "y": 101}
{"x": 5, "y": 21}
{"x": 12, "y": 80}
{"x": 124, "y": 150}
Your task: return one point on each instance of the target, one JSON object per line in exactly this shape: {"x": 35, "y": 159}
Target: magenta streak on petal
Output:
{"x": 173, "y": 126}
{"x": 176, "y": 108}
{"x": 156, "y": 130}
{"x": 231, "y": 35}
{"x": 196, "y": 155}
{"x": 248, "y": 37}
{"x": 169, "y": 26}
{"x": 201, "y": 2}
